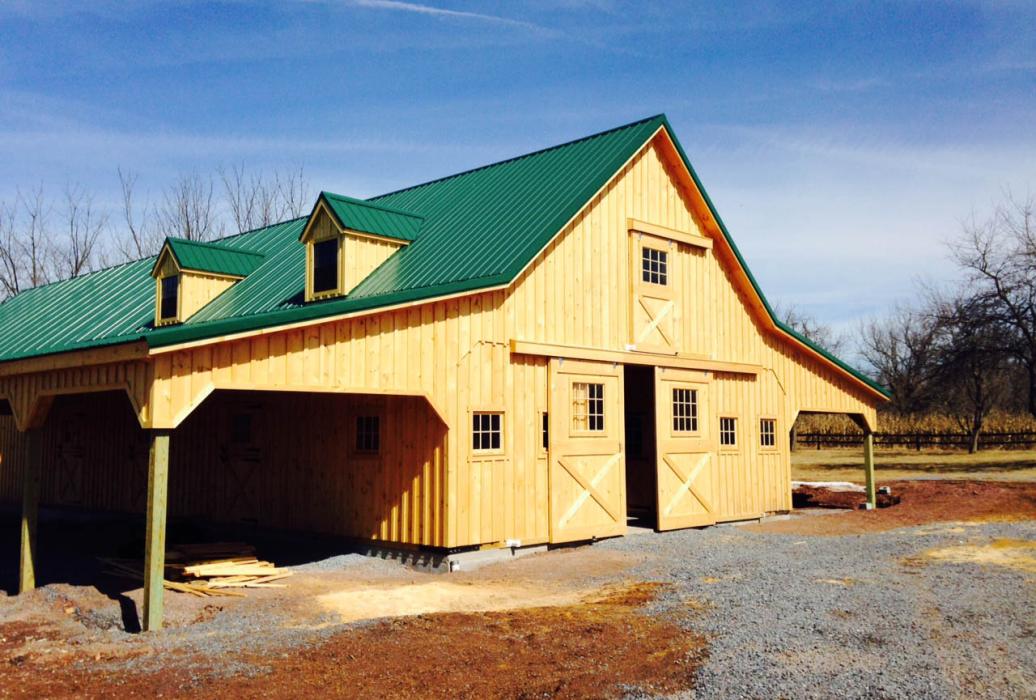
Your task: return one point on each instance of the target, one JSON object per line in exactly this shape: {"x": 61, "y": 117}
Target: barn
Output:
{"x": 534, "y": 351}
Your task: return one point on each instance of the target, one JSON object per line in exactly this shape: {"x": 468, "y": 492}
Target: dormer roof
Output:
{"x": 366, "y": 217}
{"x": 212, "y": 258}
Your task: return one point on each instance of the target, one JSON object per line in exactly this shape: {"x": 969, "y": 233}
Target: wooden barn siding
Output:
{"x": 571, "y": 295}
{"x": 299, "y": 471}
{"x": 24, "y": 391}
{"x": 455, "y": 351}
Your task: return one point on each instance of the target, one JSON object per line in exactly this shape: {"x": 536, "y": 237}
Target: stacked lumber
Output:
{"x": 224, "y": 565}
{"x": 208, "y": 569}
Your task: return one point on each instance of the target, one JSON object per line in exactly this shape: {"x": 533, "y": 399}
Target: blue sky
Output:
{"x": 842, "y": 142}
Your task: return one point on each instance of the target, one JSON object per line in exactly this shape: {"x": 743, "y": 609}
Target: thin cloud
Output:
{"x": 399, "y": 6}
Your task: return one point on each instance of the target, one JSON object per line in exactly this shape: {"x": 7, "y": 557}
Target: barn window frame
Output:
{"x": 588, "y": 408}
{"x": 728, "y": 433}
{"x": 318, "y": 255}
{"x": 487, "y": 433}
{"x": 767, "y": 434}
{"x": 685, "y": 411}
{"x": 654, "y": 265}
{"x": 175, "y": 281}
{"x": 367, "y": 434}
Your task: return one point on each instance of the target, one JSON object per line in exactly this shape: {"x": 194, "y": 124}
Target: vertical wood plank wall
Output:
{"x": 294, "y": 467}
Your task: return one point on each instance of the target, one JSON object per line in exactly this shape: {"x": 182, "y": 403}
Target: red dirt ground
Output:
{"x": 587, "y": 650}
{"x": 921, "y": 502}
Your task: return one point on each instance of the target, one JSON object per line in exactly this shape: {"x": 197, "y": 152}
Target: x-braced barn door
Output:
{"x": 686, "y": 449}
{"x": 654, "y": 275}
{"x": 587, "y": 479}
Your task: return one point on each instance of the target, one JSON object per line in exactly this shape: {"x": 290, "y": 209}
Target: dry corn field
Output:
{"x": 997, "y": 422}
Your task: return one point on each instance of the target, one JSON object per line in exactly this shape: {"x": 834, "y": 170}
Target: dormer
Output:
{"x": 346, "y": 239}
{"x": 188, "y": 275}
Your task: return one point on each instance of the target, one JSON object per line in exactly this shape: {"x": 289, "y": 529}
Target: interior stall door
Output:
{"x": 587, "y": 480}
{"x": 686, "y": 449}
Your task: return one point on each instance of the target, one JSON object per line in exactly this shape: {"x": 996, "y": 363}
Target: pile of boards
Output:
{"x": 209, "y": 569}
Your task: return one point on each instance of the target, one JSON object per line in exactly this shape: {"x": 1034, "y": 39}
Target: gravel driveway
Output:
{"x": 868, "y": 615}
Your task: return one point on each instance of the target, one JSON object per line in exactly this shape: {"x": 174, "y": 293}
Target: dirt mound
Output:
{"x": 598, "y": 648}
{"x": 923, "y": 501}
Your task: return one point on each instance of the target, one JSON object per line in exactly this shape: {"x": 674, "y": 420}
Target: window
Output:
{"x": 587, "y": 406}
{"x": 654, "y": 265}
{"x": 325, "y": 266}
{"x": 170, "y": 298}
{"x": 685, "y": 411}
{"x": 241, "y": 429}
{"x": 546, "y": 431}
{"x": 728, "y": 432}
{"x": 486, "y": 432}
{"x": 767, "y": 432}
{"x": 368, "y": 434}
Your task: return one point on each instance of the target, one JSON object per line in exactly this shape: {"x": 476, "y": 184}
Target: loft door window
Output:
{"x": 325, "y": 266}
{"x": 170, "y": 297}
{"x": 654, "y": 266}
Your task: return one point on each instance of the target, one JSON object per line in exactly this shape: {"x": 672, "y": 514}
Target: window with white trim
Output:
{"x": 368, "y": 434}
{"x": 654, "y": 265}
{"x": 685, "y": 410}
{"x": 767, "y": 432}
{"x": 728, "y": 432}
{"x": 487, "y": 433}
{"x": 587, "y": 406}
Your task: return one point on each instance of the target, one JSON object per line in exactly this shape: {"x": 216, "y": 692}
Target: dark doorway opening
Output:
{"x": 641, "y": 460}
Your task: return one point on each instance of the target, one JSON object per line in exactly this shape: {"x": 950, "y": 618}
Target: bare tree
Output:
{"x": 189, "y": 210}
{"x": 902, "y": 351}
{"x": 83, "y": 227}
{"x": 812, "y": 329}
{"x": 998, "y": 257}
{"x": 255, "y": 201}
{"x": 34, "y": 241}
{"x": 10, "y": 254}
{"x": 293, "y": 188}
{"x": 142, "y": 237}
{"x": 972, "y": 377}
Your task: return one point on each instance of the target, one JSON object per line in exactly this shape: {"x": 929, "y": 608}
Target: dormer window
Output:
{"x": 325, "y": 266}
{"x": 188, "y": 275}
{"x": 169, "y": 304}
{"x": 347, "y": 239}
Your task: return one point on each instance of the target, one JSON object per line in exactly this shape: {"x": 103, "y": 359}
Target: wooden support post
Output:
{"x": 868, "y": 468}
{"x": 31, "y": 468}
{"x": 154, "y": 552}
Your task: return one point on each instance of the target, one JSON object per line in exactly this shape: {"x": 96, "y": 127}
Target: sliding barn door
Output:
{"x": 686, "y": 449}
{"x": 654, "y": 274}
{"x": 587, "y": 479}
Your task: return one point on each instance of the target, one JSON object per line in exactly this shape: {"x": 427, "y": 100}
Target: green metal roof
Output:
{"x": 366, "y": 217}
{"x": 469, "y": 231}
{"x": 211, "y": 257}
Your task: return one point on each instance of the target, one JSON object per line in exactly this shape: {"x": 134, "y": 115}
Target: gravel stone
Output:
{"x": 863, "y": 616}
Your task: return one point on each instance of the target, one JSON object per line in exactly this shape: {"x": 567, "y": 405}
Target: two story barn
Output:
{"x": 529, "y": 352}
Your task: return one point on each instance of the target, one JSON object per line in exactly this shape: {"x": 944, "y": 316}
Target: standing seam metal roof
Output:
{"x": 478, "y": 229}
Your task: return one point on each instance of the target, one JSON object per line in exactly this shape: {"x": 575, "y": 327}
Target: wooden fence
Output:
{"x": 918, "y": 441}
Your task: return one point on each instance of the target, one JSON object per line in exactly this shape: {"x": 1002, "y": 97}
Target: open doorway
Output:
{"x": 641, "y": 460}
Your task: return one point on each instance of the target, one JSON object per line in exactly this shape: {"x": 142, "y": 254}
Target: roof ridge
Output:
{"x": 371, "y": 205}
{"x": 537, "y": 152}
{"x": 217, "y": 246}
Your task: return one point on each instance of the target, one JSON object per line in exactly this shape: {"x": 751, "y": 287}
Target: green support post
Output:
{"x": 31, "y": 469}
{"x": 868, "y": 467}
{"x": 154, "y": 553}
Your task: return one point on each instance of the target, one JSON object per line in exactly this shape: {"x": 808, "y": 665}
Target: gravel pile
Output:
{"x": 859, "y": 616}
